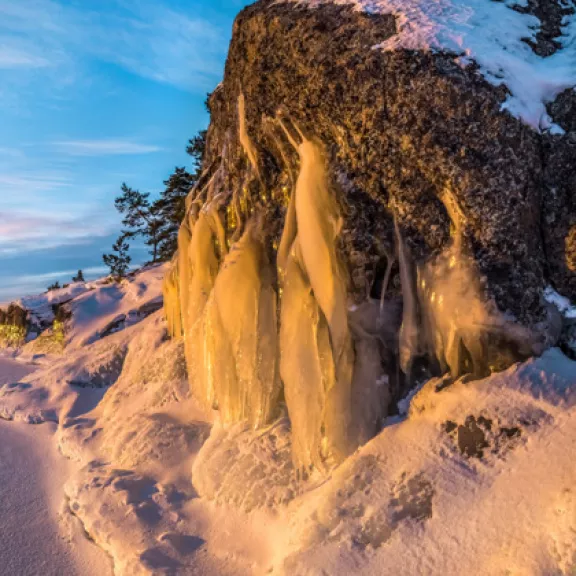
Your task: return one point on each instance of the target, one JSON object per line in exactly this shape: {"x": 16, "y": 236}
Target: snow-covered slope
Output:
{"x": 110, "y": 307}
{"x": 89, "y": 311}
{"x": 41, "y": 306}
{"x": 477, "y": 479}
{"x": 492, "y": 34}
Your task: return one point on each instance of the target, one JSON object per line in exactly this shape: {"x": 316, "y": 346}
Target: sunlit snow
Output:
{"x": 490, "y": 34}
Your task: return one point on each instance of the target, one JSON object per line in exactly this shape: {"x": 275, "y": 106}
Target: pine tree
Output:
{"x": 79, "y": 277}
{"x": 170, "y": 207}
{"x": 55, "y": 286}
{"x": 158, "y": 222}
{"x": 197, "y": 148}
{"x": 170, "y": 210}
{"x": 140, "y": 217}
{"x": 119, "y": 263}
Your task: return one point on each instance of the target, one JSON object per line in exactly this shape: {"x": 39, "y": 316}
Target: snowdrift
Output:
{"x": 84, "y": 312}
{"x": 478, "y": 478}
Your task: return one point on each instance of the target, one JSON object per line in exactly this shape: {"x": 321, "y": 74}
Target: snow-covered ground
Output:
{"x": 12, "y": 371}
{"x": 478, "y": 478}
{"x": 37, "y": 534}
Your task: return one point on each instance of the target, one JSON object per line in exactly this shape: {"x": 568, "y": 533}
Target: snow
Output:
{"x": 490, "y": 34}
{"x": 38, "y": 534}
{"x": 41, "y": 305}
{"x": 164, "y": 487}
{"x": 12, "y": 371}
{"x": 41, "y": 398}
{"x": 97, "y": 309}
{"x": 563, "y": 304}
{"x": 411, "y": 503}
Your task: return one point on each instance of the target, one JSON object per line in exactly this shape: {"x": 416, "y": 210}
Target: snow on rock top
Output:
{"x": 40, "y": 305}
{"x": 492, "y": 34}
{"x": 561, "y": 302}
{"x": 99, "y": 308}
{"x": 110, "y": 307}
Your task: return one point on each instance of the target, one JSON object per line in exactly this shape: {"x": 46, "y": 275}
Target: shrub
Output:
{"x": 12, "y": 336}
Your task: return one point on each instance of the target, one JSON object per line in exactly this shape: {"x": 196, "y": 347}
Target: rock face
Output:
{"x": 407, "y": 137}
{"x": 13, "y": 326}
{"x": 558, "y": 210}
{"x": 13, "y": 316}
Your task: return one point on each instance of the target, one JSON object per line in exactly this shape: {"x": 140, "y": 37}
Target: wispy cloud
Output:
{"x": 29, "y": 278}
{"x": 106, "y": 147}
{"x": 11, "y": 153}
{"x": 11, "y": 57}
{"x": 146, "y": 38}
{"x": 26, "y": 231}
{"x": 19, "y": 187}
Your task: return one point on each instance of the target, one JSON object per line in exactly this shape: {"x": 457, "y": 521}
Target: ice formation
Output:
{"x": 304, "y": 346}
{"x": 197, "y": 249}
{"x": 408, "y": 348}
{"x": 171, "y": 290}
{"x": 256, "y": 322}
{"x": 228, "y": 304}
{"x": 243, "y": 134}
{"x": 318, "y": 224}
{"x": 457, "y": 321}
{"x": 240, "y": 334}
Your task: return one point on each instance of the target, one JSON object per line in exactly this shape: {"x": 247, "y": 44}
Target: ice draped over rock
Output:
{"x": 316, "y": 339}
{"x": 367, "y": 219}
{"x": 235, "y": 351}
{"x": 241, "y": 335}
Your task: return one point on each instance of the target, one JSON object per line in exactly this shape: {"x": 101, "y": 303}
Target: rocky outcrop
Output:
{"x": 14, "y": 316}
{"x": 13, "y": 326}
{"x": 426, "y": 194}
{"x": 558, "y": 220}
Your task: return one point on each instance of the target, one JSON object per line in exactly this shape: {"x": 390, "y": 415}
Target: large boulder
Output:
{"x": 451, "y": 196}
{"x": 403, "y": 126}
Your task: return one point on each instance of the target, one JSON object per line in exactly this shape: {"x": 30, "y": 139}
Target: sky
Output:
{"x": 94, "y": 93}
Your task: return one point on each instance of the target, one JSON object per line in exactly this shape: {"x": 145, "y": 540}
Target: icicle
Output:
{"x": 236, "y": 208}
{"x": 318, "y": 224}
{"x": 269, "y": 124}
{"x": 245, "y": 140}
{"x": 195, "y": 193}
{"x": 290, "y": 226}
{"x": 197, "y": 284}
{"x": 456, "y": 317}
{"x": 172, "y": 306}
{"x": 408, "y": 340}
{"x": 185, "y": 269}
{"x": 288, "y": 237}
{"x": 457, "y": 219}
{"x": 390, "y": 261}
{"x": 241, "y": 335}
{"x": 306, "y": 366}
{"x": 212, "y": 210}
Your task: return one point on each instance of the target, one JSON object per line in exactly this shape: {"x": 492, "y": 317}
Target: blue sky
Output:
{"x": 94, "y": 93}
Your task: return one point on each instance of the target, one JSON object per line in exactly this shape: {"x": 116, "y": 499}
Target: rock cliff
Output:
{"x": 374, "y": 211}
